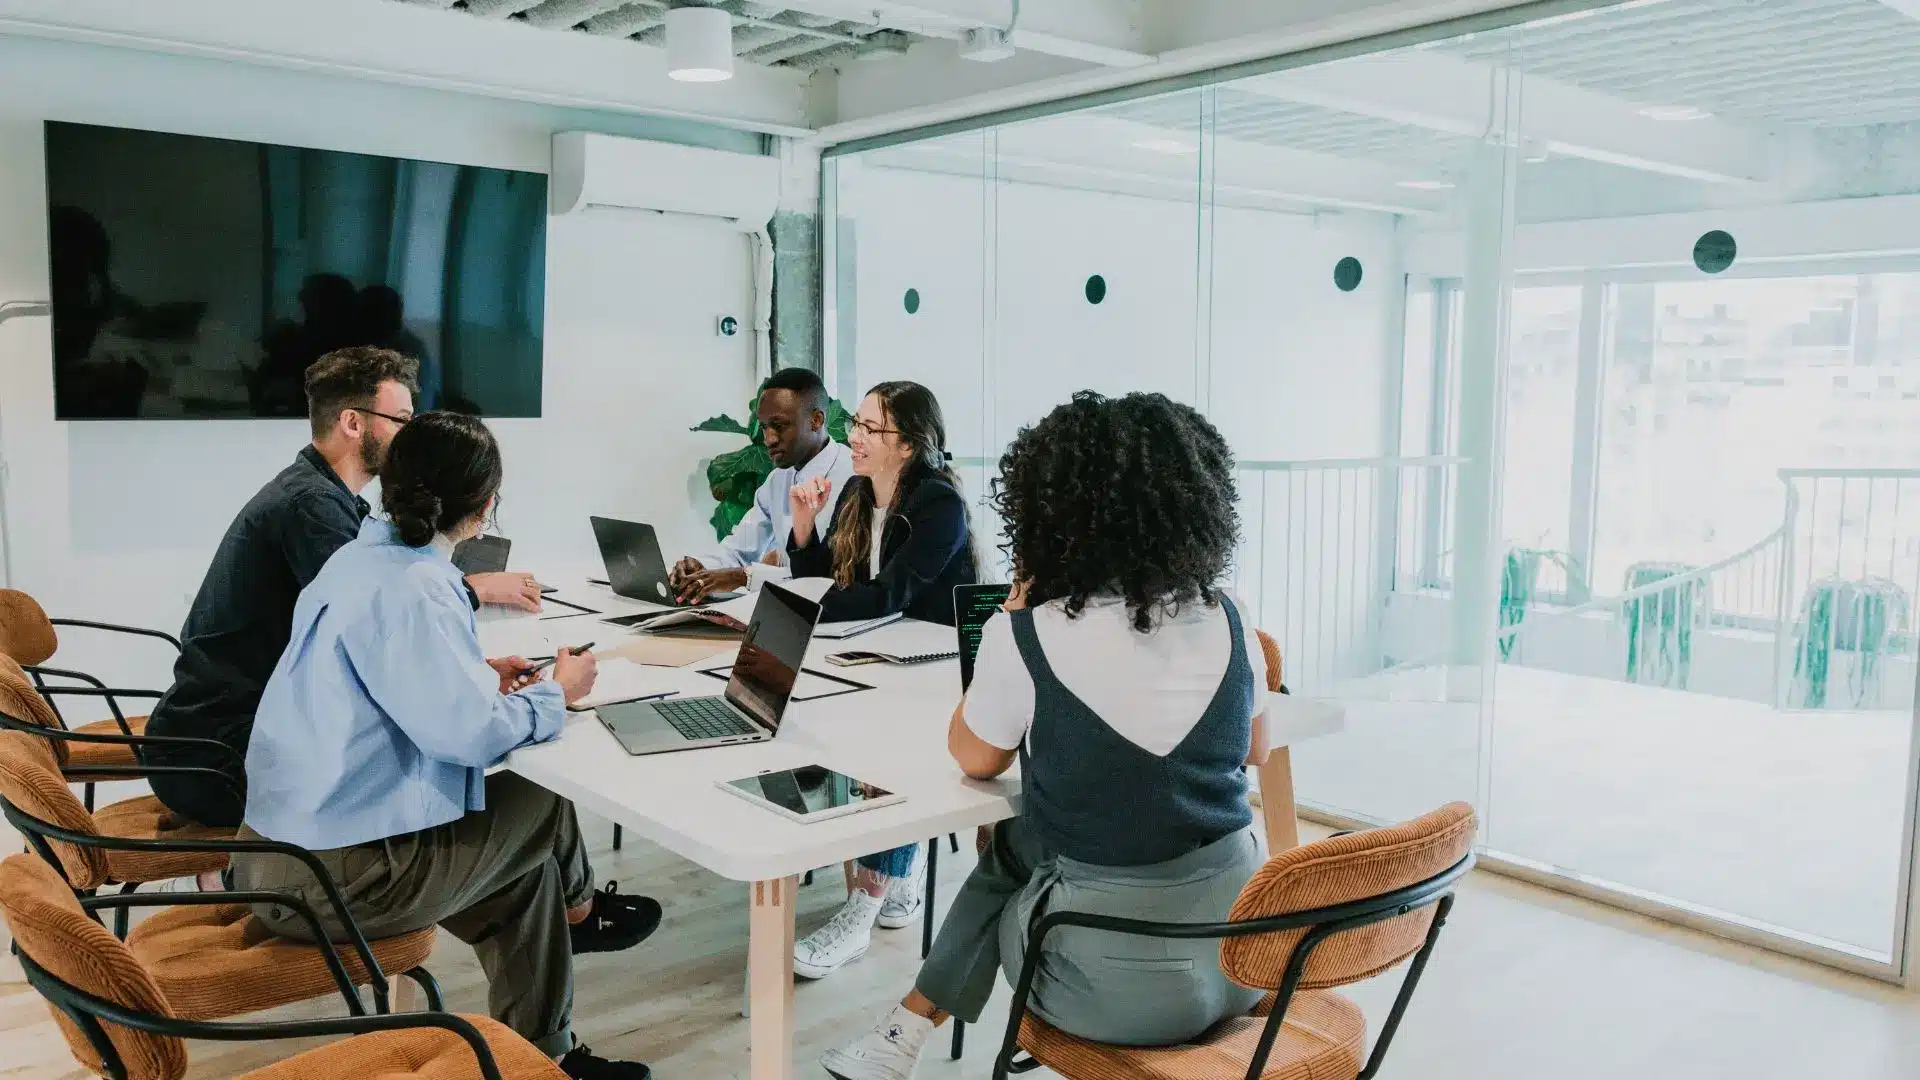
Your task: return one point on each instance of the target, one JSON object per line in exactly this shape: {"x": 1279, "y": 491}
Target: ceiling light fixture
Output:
{"x": 1426, "y": 185}
{"x": 1166, "y": 146}
{"x": 699, "y": 44}
{"x": 1674, "y": 113}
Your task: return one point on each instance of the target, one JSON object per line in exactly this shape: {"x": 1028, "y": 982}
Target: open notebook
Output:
{"x": 621, "y": 679}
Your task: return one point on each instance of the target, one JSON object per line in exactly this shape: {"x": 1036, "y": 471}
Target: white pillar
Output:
{"x": 1477, "y": 550}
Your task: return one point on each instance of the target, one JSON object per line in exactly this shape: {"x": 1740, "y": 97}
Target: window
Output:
{"x": 1543, "y": 366}
{"x": 1713, "y": 387}
{"x": 1703, "y": 391}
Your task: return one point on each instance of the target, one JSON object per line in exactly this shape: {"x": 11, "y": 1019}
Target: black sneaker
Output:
{"x": 583, "y": 1064}
{"x": 616, "y": 922}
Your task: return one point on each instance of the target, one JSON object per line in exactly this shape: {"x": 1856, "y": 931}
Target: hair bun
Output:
{"x": 416, "y": 514}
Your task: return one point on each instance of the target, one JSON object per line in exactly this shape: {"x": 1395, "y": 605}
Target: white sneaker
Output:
{"x": 844, "y": 939}
{"x": 888, "y": 1052}
{"x": 906, "y": 895}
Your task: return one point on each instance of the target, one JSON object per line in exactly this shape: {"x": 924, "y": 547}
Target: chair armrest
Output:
{"x": 321, "y": 941}
{"x": 89, "y": 624}
{"x": 111, "y": 695}
{"x": 27, "y": 823}
{"x": 71, "y": 999}
{"x": 86, "y": 773}
{"x": 181, "y": 742}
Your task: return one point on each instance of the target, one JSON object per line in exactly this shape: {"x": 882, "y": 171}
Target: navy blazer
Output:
{"x": 925, "y": 551}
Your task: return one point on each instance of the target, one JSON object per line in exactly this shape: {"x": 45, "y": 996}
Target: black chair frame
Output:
{"x": 90, "y": 775}
{"x": 1319, "y": 924}
{"x": 88, "y": 1011}
{"x": 39, "y": 833}
{"x": 38, "y": 671}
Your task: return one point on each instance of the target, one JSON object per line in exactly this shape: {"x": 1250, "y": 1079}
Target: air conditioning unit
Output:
{"x": 591, "y": 171}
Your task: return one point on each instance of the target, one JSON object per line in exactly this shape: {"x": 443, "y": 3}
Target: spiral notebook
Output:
{"x": 847, "y": 659}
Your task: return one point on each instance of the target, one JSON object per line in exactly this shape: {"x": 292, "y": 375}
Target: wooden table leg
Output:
{"x": 1276, "y": 801}
{"x": 770, "y": 980}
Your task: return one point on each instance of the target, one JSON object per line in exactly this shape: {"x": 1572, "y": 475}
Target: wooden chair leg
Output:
{"x": 405, "y": 994}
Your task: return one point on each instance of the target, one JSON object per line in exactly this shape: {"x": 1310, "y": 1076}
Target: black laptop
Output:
{"x": 973, "y": 605}
{"x": 635, "y": 567}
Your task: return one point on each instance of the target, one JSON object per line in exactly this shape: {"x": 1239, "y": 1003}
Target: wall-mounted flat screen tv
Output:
{"x": 196, "y": 277}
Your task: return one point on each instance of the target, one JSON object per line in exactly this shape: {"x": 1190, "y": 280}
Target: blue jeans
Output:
{"x": 895, "y": 863}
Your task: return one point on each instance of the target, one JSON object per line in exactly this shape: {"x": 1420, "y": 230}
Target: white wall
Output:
{"x": 1288, "y": 366}
{"x": 1253, "y": 332}
{"x": 118, "y": 519}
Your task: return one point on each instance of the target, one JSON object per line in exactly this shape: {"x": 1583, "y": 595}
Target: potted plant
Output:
{"x": 1519, "y": 579}
{"x": 1660, "y": 624}
{"x": 1859, "y": 617}
{"x": 733, "y": 477}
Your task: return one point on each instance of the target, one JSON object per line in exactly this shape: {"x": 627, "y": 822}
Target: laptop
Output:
{"x": 485, "y": 555}
{"x": 973, "y": 605}
{"x": 757, "y": 692}
{"x": 635, "y": 567}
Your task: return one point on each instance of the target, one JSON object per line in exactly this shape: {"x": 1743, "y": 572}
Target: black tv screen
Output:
{"x": 196, "y": 277}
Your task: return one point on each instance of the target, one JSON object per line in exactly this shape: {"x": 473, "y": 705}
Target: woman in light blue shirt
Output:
{"x": 371, "y": 746}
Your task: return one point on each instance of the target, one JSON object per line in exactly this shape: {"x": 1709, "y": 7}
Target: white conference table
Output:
{"x": 894, "y": 735}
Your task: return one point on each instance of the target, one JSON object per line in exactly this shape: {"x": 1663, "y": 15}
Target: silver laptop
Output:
{"x": 763, "y": 676}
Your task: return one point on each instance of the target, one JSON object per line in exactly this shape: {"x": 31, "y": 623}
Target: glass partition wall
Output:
{"x": 1575, "y": 385}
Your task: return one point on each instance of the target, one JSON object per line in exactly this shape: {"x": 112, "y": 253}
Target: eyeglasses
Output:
{"x": 403, "y": 421}
{"x": 868, "y": 431}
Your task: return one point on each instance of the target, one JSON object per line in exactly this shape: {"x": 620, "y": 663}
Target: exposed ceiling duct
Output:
{"x": 767, "y": 34}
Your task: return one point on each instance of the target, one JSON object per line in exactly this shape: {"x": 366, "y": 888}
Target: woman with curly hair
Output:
{"x": 1124, "y": 680}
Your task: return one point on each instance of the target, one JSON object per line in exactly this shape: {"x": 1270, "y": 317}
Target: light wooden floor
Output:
{"x": 1525, "y": 984}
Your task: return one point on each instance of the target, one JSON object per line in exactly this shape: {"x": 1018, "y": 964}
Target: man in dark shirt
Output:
{"x": 357, "y": 399}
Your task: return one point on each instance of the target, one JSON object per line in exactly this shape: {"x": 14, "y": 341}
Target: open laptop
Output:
{"x": 635, "y": 567}
{"x": 973, "y": 605}
{"x": 485, "y": 555}
{"x": 757, "y": 692}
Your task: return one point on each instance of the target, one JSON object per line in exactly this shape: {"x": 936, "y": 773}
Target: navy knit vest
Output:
{"x": 1094, "y": 796}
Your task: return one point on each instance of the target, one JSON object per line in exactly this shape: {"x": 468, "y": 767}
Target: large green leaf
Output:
{"x": 724, "y": 424}
{"x": 735, "y": 477}
{"x": 837, "y": 420}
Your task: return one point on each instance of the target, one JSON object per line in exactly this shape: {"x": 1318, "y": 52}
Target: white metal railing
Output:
{"x": 1831, "y": 587}
{"x": 1323, "y": 543}
{"x": 1327, "y": 543}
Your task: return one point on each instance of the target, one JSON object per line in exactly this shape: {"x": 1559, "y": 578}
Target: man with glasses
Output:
{"x": 357, "y": 400}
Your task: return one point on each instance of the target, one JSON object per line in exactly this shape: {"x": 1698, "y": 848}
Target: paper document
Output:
{"x": 840, "y": 631}
{"x": 623, "y": 680}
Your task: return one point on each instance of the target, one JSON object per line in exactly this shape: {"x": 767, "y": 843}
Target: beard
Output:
{"x": 373, "y": 453}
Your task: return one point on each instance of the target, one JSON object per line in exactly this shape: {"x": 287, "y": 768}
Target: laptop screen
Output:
{"x": 771, "y": 653}
{"x": 973, "y": 605}
{"x": 482, "y": 555}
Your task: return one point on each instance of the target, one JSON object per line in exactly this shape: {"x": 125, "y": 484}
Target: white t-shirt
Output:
{"x": 1150, "y": 688}
{"x": 879, "y": 526}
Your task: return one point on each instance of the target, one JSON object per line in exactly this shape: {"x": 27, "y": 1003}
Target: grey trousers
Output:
{"x": 1106, "y": 987}
{"x": 500, "y": 879}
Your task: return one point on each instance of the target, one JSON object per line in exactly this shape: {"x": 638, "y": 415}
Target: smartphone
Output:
{"x": 855, "y": 659}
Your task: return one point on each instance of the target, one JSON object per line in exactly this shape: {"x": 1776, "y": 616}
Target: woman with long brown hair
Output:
{"x": 900, "y": 539}
{"x": 900, "y": 542}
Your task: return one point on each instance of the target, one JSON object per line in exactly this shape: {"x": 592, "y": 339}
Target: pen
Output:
{"x": 543, "y": 665}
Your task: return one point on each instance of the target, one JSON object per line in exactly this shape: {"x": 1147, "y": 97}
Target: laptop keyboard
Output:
{"x": 703, "y": 718}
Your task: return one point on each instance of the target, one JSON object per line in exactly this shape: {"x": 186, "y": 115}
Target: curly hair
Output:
{"x": 1131, "y": 497}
